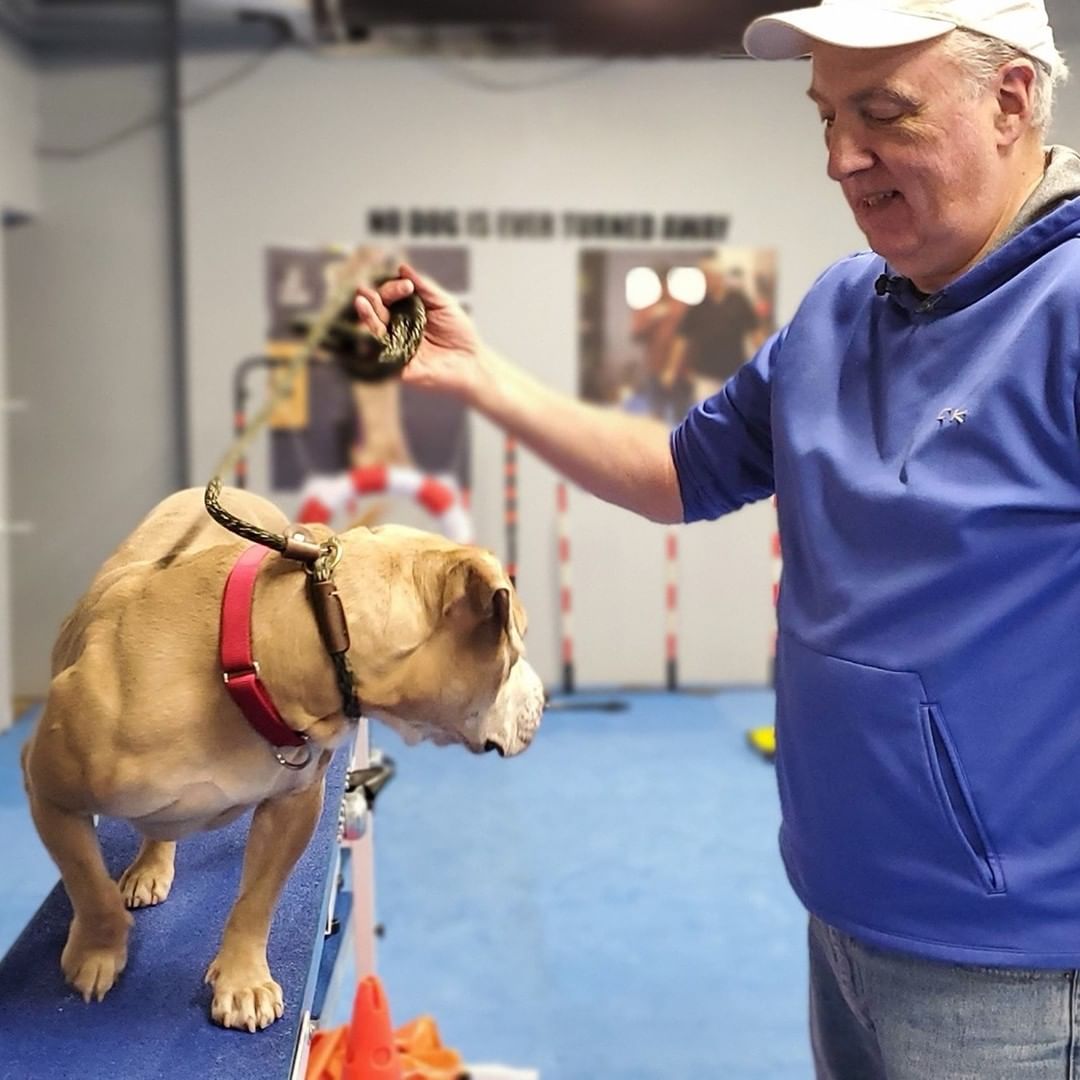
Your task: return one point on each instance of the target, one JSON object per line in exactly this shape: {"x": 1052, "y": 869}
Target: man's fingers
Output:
{"x": 426, "y": 289}
{"x": 373, "y": 305}
{"x": 395, "y": 290}
{"x": 371, "y": 311}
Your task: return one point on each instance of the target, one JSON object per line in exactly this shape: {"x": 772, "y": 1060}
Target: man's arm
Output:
{"x": 620, "y": 458}
{"x": 675, "y": 361}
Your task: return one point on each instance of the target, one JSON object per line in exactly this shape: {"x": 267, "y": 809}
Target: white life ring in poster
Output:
{"x": 324, "y": 497}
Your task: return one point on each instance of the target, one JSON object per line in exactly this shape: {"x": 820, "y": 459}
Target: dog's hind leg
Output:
{"x": 149, "y": 878}
{"x": 245, "y": 993}
{"x": 96, "y": 949}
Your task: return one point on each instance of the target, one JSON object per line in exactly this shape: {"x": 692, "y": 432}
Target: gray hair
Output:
{"x": 982, "y": 57}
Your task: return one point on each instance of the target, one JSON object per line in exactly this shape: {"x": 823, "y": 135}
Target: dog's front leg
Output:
{"x": 245, "y": 994}
{"x": 96, "y": 949}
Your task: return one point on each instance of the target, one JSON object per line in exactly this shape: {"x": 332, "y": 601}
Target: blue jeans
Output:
{"x": 877, "y": 1015}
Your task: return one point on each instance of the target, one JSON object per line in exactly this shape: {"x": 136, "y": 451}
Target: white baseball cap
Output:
{"x": 881, "y": 24}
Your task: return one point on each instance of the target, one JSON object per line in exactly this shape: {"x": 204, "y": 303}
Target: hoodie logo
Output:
{"x": 952, "y": 416}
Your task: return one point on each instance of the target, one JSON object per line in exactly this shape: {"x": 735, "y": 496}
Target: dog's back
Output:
{"x": 178, "y": 526}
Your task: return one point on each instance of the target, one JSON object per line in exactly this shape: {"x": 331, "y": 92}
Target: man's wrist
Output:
{"x": 484, "y": 385}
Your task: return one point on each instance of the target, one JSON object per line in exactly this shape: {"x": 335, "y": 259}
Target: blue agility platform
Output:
{"x": 155, "y": 1023}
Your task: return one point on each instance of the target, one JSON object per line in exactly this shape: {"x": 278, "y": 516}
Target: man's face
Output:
{"x": 716, "y": 282}
{"x": 916, "y": 153}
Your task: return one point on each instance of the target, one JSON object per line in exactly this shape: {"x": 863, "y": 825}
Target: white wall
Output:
{"x": 6, "y": 681}
{"x": 19, "y": 196}
{"x": 1066, "y": 127}
{"x": 18, "y": 129}
{"x": 88, "y": 339}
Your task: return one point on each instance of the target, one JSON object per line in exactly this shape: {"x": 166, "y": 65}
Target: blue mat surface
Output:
{"x": 155, "y": 1023}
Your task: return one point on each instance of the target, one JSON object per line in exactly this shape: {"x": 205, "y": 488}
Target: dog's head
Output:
{"x": 437, "y": 641}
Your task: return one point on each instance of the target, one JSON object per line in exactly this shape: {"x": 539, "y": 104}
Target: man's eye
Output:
{"x": 883, "y": 118}
{"x": 828, "y": 121}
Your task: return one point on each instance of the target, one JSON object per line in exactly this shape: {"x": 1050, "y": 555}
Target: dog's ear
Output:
{"x": 476, "y": 595}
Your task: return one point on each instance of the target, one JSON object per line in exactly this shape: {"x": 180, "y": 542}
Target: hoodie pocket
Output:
{"x": 878, "y": 812}
{"x": 956, "y": 799}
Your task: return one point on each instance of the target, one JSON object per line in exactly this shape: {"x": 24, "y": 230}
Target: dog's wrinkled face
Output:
{"x": 451, "y": 662}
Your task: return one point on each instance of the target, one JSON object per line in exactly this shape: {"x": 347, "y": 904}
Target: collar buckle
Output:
{"x": 238, "y": 673}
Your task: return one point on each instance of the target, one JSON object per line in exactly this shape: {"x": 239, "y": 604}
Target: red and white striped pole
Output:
{"x": 510, "y": 507}
{"x": 565, "y": 606}
{"x": 672, "y": 609}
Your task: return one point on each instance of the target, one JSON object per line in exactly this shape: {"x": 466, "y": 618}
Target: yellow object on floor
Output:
{"x": 763, "y": 740}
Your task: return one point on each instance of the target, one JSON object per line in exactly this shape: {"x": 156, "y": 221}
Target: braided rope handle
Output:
{"x": 377, "y": 358}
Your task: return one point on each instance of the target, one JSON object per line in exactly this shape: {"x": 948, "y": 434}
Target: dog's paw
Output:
{"x": 92, "y": 969}
{"x": 245, "y": 994}
{"x": 144, "y": 886}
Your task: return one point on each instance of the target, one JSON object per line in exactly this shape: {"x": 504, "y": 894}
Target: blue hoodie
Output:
{"x": 925, "y": 453}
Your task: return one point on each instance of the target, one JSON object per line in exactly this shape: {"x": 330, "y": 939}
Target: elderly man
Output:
{"x": 918, "y": 421}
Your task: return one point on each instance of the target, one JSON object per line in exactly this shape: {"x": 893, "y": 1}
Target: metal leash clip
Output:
{"x": 325, "y": 599}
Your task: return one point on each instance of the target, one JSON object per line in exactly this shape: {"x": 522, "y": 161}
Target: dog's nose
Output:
{"x": 490, "y": 745}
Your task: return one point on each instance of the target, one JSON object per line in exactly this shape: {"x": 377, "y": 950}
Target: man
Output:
{"x": 711, "y": 342}
{"x": 661, "y": 393}
{"x": 918, "y": 421}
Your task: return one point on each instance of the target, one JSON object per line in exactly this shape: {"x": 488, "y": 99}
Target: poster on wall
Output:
{"x": 660, "y": 330}
{"x": 330, "y": 424}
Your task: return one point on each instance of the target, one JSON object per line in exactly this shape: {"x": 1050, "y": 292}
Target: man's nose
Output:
{"x": 848, "y": 153}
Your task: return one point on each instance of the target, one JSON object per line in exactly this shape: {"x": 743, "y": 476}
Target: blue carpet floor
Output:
{"x": 609, "y": 906}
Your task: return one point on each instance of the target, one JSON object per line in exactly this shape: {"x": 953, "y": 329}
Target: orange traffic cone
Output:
{"x": 370, "y": 1052}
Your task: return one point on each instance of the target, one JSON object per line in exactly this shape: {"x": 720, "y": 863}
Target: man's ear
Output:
{"x": 1015, "y": 99}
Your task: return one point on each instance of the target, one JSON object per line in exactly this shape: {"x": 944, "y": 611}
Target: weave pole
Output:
{"x": 510, "y": 507}
{"x": 562, "y": 524}
{"x": 565, "y": 595}
{"x": 671, "y": 601}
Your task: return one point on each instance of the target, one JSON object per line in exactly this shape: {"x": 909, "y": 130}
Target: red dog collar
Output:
{"x": 240, "y": 668}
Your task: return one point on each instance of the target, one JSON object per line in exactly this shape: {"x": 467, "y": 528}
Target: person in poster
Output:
{"x": 655, "y": 324}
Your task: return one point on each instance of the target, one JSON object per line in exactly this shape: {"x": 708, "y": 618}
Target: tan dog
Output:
{"x": 138, "y": 723}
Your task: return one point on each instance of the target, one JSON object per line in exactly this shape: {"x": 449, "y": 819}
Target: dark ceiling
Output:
{"x": 641, "y": 27}
{"x": 597, "y": 27}
{"x": 498, "y": 27}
